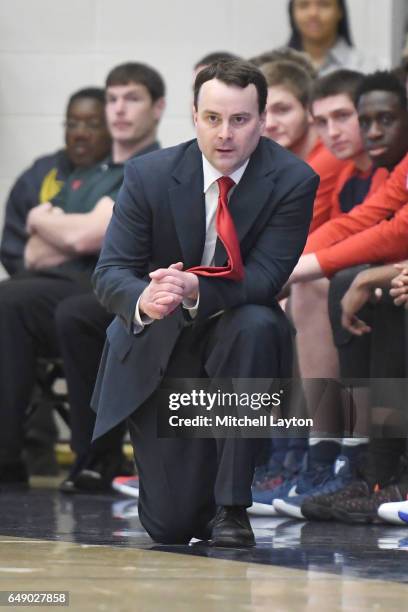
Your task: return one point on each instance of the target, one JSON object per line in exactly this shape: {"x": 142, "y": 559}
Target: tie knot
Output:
{"x": 225, "y": 183}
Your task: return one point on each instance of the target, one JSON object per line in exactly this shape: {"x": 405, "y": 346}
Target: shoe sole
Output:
{"x": 231, "y": 543}
{"x": 315, "y": 512}
{"x": 130, "y": 491}
{"x": 285, "y": 509}
{"x": 258, "y": 509}
{"x": 354, "y": 517}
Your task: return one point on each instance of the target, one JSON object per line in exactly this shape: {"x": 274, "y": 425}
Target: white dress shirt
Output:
{"x": 211, "y": 192}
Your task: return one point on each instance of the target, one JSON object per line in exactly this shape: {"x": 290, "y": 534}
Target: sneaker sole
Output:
{"x": 316, "y": 512}
{"x": 282, "y": 507}
{"x": 130, "y": 491}
{"x": 258, "y": 509}
{"x": 354, "y": 517}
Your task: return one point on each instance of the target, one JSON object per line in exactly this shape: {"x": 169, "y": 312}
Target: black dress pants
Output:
{"x": 81, "y": 328}
{"x": 28, "y": 303}
{"x": 183, "y": 480}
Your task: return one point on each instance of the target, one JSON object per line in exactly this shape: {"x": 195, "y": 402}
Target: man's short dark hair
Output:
{"x": 94, "y": 93}
{"x": 215, "y": 56}
{"x": 337, "y": 83}
{"x": 291, "y": 76}
{"x": 383, "y": 80}
{"x": 140, "y": 74}
{"x": 234, "y": 72}
{"x": 287, "y": 54}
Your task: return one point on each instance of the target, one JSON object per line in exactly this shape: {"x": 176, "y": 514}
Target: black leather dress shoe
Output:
{"x": 231, "y": 528}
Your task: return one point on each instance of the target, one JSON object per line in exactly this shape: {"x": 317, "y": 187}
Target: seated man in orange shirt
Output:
{"x": 382, "y": 112}
{"x": 336, "y": 120}
{"x": 358, "y": 237}
{"x": 290, "y": 124}
{"x": 334, "y": 246}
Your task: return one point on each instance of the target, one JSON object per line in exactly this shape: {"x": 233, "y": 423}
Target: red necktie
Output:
{"x": 225, "y": 227}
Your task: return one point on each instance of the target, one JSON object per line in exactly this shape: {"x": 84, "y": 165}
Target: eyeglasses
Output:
{"x": 90, "y": 126}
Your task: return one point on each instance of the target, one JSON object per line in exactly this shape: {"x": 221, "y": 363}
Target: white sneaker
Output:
{"x": 258, "y": 509}
{"x": 394, "y": 512}
{"x": 128, "y": 485}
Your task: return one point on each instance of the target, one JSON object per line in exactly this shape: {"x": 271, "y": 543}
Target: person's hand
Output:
{"x": 399, "y": 286}
{"x": 35, "y": 213}
{"x": 353, "y": 300}
{"x": 167, "y": 289}
{"x": 39, "y": 254}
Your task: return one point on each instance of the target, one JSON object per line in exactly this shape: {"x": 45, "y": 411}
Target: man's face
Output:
{"x": 228, "y": 124}
{"x": 286, "y": 118}
{"x": 384, "y": 127}
{"x": 336, "y": 120}
{"x": 86, "y": 136}
{"x": 131, "y": 114}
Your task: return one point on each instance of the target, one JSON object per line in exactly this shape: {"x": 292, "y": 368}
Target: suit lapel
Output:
{"x": 249, "y": 198}
{"x": 188, "y": 206}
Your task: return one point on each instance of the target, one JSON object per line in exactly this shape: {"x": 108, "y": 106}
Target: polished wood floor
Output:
{"x": 95, "y": 548}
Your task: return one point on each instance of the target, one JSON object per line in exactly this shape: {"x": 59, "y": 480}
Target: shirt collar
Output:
{"x": 211, "y": 174}
{"x": 339, "y": 53}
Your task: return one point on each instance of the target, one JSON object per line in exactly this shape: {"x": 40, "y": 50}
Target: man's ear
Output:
{"x": 159, "y": 107}
{"x": 194, "y": 114}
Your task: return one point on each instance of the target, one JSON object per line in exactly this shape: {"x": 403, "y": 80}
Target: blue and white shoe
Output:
{"x": 262, "y": 500}
{"x": 276, "y": 482}
{"x": 394, "y": 512}
{"x": 323, "y": 480}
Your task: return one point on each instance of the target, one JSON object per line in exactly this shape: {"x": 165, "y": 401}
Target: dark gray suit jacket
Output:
{"x": 158, "y": 219}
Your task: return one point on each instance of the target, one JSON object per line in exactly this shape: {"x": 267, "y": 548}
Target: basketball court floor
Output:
{"x": 94, "y": 547}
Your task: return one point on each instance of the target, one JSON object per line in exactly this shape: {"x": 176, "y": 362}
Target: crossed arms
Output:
{"x": 56, "y": 237}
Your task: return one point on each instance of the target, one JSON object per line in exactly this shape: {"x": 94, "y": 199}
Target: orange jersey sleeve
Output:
{"x": 382, "y": 204}
{"x": 328, "y": 167}
{"x": 385, "y": 242}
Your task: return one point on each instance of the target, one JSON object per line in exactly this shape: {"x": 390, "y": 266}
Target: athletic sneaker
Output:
{"x": 394, "y": 512}
{"x": 331, "y": 480}
{"x": 364, "y": 509}
{"x": 262, "y": 500}
{"x": 319, "y": 507}
{"x": 290, "y": 505}
{"x": 276, "y": 482}
{"x": 128, "y": 485}
{"x": 288, "y": 489}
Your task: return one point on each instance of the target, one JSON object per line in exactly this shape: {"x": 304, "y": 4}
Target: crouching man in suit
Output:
{"x": 211, "y": 227}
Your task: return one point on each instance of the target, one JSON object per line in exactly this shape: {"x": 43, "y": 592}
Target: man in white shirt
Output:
{"x": 190, "y": 304}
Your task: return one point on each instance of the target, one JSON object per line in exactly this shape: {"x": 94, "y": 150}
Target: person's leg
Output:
{"x": 250, "y": 342}
{"x": 176, "y": 479}
{"x": 27, "y": 330}
{"x": 318, "y": 366}
{"x": 317, "y": 354}
{"x": 182, "y": 480}
{"x": 81, "y": 327}
{"x": 176, "y": 475}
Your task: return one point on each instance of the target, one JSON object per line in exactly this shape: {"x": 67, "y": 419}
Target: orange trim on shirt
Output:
{"x": 375, "y": 231}
{"x": 328, "y": 167}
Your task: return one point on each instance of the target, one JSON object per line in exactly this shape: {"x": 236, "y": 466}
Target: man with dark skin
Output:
{"x": 87, "y": 142}
{"x": 65, "y": 237}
